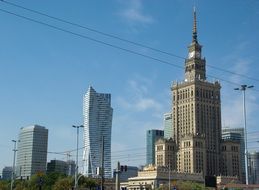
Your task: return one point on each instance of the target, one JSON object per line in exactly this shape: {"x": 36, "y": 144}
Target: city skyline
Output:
{"x": 44, "y": 73}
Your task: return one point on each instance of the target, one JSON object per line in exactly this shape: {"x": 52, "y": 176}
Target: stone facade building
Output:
{"x": 230, "y": 162}
{"x": 153, "y": 177}
{"x": 166, "y": 153}
{"x": 196, "y": 109}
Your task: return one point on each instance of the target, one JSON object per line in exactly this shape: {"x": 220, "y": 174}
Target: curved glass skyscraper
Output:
{"x": 97, "y": 112}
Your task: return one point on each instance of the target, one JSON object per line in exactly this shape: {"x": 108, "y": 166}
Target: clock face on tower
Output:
{"x": 191, "y": 54}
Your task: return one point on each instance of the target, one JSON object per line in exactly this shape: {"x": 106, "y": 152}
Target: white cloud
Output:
{"x": 137, "y": 112}
{"x": 140, "y": 104}
{"x": 147, "y": 103}
{"x": 138, "y": 97}
{"x": 134, "y": 13}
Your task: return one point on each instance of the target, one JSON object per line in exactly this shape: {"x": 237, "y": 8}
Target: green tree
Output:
{"x": 163, "y": 187}
{"x": 190, "y": 185}
{"x": 88, "y": 182}
{"x": 21, "y": 184}
{"x": 4, "y": 185}
{"x": 50, "y": 179}
{"x": 63, "y": 184}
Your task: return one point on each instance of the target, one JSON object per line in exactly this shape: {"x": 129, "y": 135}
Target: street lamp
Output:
{"x": 13, "y": 170}
{"x": 243, "y": 89}
{"x": 76, "y": 172}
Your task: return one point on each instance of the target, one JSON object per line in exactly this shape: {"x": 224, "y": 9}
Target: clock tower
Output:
{"x": 196, "y": 115}
{"x": 195, "y": 64}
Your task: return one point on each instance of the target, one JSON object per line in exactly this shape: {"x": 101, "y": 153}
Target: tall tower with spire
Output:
{"x": 194, "y": 64}
{"x": 196, "y": 111}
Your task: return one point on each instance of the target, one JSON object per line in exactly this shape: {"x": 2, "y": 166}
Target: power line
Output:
{"x": 132, "y": 155}
{"x": 122, "y": 39}
{"x": 112, "y": 152}
{"x": 93, "y": 30}
{"x": 89, "y": 38}
{"x": 132, "y": 149}
{"x": 131, "y": 160}
{"x": 108, "y": 44}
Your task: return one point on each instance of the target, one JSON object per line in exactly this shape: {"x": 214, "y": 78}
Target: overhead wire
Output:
{"x": 92, "y": 29}
{"x": 122, "y": 39}
{"x": 109, "y": 44}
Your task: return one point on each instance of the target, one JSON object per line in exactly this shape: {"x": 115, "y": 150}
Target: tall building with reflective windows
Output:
{"x": 168, "y": 126}
{"x": 253, "y": 167}
{"x": 196, "y": 115}
{"x": 152, "y": 136}
{"x": 32, "y": 151}
{"x": 97, "y": 113}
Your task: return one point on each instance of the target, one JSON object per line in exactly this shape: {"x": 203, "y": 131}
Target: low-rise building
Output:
{"x": 132, "y": 171}
{"x": 62, "y": 167}
{"x": 7, "y": 173}
{"x": 153, "y": 177}
{"x": 58, "y": 166}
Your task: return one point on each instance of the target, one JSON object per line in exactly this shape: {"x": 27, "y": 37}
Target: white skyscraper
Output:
{"x": 97, "y": 112}
{"x": 32, "y": 151}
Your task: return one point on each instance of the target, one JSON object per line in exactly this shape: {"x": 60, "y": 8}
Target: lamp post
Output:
{"x": 76, "y": 172}
{"x": 243, "y": 89}
{"x": 13, "y": 170}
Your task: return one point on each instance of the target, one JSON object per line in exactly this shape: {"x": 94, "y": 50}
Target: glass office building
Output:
{"x": 151, "y": 137}
{"x": 97, "y": 113}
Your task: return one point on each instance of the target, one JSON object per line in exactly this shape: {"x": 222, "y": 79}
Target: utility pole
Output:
{"x": 169, "y": 176}
{"x": 243, "y": 89}
{"x": 13, "y": 170}
{"x": 117, "y": 187}
{"x": 102, "y": 162}
{"x": 76, "y": 172}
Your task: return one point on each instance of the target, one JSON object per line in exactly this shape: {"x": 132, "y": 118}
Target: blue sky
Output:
{"x": 44, "y": 73}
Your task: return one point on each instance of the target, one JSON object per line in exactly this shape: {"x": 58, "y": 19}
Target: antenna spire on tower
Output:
{"x": 194, "y": 30}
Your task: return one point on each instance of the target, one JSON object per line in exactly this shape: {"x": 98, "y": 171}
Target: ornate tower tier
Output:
{"x": 195, "y": 64}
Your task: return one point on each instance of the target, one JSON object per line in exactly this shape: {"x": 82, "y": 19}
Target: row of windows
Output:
{"x": 160, "y": 159}
{"x": 233, "y": 148}
{"x": 200, "y": 93}
{"x": 160, "y": 148}
{"x": 183, "y": 94}
{"x": 209, "y": 94}
{"x": 187, "y": 144}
